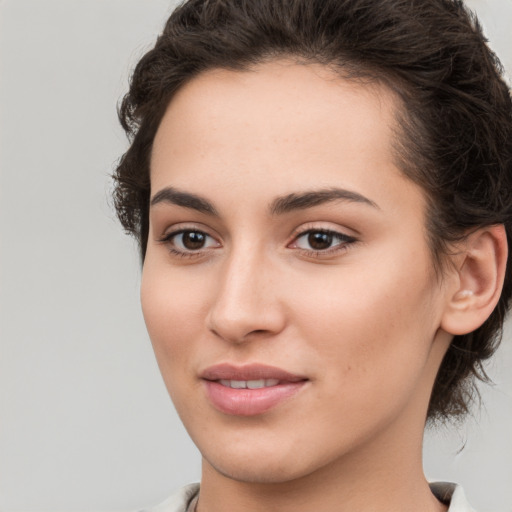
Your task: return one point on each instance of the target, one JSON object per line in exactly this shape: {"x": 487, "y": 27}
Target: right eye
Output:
{"x": 189, "y": 241}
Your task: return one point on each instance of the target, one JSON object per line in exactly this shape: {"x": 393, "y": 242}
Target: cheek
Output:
{"x": 372, "y": 327}
{"x": 172, "y": 313}
{"x": 174, "y": 319}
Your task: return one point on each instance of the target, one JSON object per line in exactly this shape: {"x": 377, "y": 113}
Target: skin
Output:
{"x": 361, "y": 320}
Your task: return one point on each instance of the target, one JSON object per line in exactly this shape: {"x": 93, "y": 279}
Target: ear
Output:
{"x": 480, "y": 269}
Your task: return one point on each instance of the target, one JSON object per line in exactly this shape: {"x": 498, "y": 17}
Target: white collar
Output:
{"x": 444, "y": 491}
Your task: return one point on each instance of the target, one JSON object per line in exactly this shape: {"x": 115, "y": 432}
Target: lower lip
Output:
{"x": 249, "y": 402}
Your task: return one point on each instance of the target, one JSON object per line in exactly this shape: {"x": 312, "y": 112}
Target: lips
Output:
{"x": 249, "y": 390}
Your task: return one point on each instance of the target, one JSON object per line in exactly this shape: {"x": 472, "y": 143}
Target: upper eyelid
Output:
{"x": 335, "y": 230}
{"x": 179, "y": 227}
{"x": 171, "y": 234}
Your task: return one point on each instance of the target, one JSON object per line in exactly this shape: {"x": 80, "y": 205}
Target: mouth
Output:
{"x": 249, "y": 384}
{"x": 249, "y": 390}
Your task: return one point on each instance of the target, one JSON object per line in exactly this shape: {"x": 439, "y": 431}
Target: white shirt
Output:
{"x": 184, "y": 500}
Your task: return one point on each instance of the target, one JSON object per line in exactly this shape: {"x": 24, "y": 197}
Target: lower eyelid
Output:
{"x": 168, "y": 240}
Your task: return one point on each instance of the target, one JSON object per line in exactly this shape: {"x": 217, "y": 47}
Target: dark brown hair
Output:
{"x": 455, "y": 127}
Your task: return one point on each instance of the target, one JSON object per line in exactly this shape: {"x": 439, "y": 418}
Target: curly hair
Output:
{"x": 454, "y": 125}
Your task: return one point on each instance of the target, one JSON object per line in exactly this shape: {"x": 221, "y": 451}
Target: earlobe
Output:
{"x": 481, "y": 269}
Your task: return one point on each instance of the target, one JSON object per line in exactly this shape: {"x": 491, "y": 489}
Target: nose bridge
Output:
{"x": 246, "y": 301}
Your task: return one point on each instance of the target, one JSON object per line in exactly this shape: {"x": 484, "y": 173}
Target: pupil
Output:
{"x": 320, "y": 241}
{"x": 193, "y": 240}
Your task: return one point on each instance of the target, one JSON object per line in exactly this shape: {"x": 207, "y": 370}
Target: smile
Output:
{"x": 249, "y": 390}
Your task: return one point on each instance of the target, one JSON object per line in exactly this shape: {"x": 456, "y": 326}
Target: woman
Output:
{"x": 321, "y": 190}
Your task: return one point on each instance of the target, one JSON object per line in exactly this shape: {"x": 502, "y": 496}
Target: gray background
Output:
{"x": 85, "y": 422}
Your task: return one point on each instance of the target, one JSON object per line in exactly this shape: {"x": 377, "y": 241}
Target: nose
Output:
{"x": 246, "y": 304}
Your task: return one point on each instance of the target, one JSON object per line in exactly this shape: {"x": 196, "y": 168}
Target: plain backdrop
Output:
{"x": 85, "y": 421}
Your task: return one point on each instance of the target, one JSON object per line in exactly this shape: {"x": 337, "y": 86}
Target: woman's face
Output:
{"x": 288, "y": 288}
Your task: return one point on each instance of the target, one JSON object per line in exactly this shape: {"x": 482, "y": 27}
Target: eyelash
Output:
{"x": 344, "y": 242}
{"x": 167, "y": 240}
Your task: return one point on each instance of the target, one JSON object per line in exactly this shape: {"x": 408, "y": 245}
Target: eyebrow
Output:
{"x": 185, "y": 199}
{"x": 305, "y": 200}
{"x": 281, "y": 205}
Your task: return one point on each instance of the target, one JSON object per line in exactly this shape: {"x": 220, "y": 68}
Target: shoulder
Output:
{"x": 451, "y": 494}
{"x": 178, "y": 502}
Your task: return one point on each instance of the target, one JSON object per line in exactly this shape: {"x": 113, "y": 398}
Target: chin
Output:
{"x": 255, "y": 461}
{"x": 257, "y": 471}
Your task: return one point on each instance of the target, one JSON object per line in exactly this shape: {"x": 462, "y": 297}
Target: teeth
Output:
{"x": 255, "y": 384}
{"x": 249, "y": 384}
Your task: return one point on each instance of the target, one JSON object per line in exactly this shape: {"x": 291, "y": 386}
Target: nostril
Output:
{"x": 236, "y": 337}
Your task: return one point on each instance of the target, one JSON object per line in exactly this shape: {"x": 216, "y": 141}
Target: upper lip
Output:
{"x": 227, "y": 371}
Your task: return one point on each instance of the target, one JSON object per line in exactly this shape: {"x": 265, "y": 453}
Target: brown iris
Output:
{"x": 320, "y": 241}
{"x": 193, "y": 240}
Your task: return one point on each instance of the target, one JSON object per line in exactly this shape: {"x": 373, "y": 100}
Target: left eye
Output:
{"x": 318, "y": 240}
{"x": 189, "y": 240}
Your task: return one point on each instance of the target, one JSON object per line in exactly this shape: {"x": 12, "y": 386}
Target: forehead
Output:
{"x": 278, "y": 97}
{"x": 279, "y": 119}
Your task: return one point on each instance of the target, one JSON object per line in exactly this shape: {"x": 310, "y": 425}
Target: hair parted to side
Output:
{"x": 454, "y": 133}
